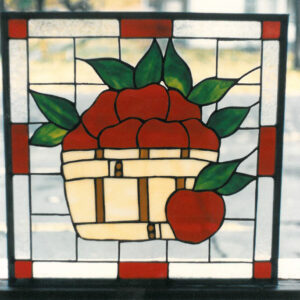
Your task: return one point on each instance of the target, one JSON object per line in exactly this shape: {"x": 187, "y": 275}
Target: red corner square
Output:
{"x": 17, "y": 28}
{"x": 23, "y": 269}
{"x": 271, "y": 30}
{"x": 262, "y": 270}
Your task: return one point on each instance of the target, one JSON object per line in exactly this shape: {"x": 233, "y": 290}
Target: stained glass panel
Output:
{"x": 135, "y": 150}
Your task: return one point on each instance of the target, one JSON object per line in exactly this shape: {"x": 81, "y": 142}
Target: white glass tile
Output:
{"x": 252, "y": 119}
{"x": 132, "y": 50}
{"x": 3, "y": 268}
{"x": 249, "y": 165}
{"x": 233, "y": 241}
{"x": 47, "y": 194}
{"x": 210, "y": 270}
{"x": 86, "y": 74}
{"x": 45, "y": 160}
{"x": 264, "y": 219}
{"x": 222, "y": 29}
{"x": 236, "y": 58}
{"x": 241, "y": 204}
{"x": 21, "y": 216}
{"x": 143, "y": 251}
{"x": 73, "y": 27}
{"x": 178, "y": 251}
{"x": 53, "y": 238}
{"x": 270, "y": 68}
{"x": 207, "y": 110}
{"x": 18, "y": 80}
{"x": 97, "y": 250}
{"x": 74, "y": 270}
{"x": 200, "y": 56}
{"x": 87, "y": 95}
{"x": 51, "y": 60}
{"x": 244, "y": 142}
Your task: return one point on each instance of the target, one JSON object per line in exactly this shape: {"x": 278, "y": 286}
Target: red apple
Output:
{"x": 195, "y": 216}
{"x": 201, "y": 137}
{"x": 122, "y": 135}
{"x": 158, "y": 134}
{"x": 146, "y": 103}
{"x": 101, "y": 114}
{"x": 181, "y": 109}
{"x": 79, "y": 139}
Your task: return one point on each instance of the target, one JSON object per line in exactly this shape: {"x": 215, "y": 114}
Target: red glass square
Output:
{"x": 20, "y": 151}
{"x": 17, "y": 28}
{"x": 146, "y": 28}
{"x": 267, "y": 151}
{"x": 262, "y": 270}
{"x": 142, "y": 270}
{"x": 23, "y": 269}
{"x": 271, "y": 30}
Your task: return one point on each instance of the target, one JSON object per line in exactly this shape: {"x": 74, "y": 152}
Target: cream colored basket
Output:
{"x": 121, "y": 194}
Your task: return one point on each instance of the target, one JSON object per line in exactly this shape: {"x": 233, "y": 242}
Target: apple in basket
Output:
{"x": 153, "y": 105}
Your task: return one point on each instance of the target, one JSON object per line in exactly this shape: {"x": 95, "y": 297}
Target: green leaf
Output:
{"x": 149, "y": 68}
{"x": 215, "y": 175}
{"x": 48, "y": 135}
{"x": 210, "y": 90}
{"x": 113, "y": 72}
{"x": 236, "y": 183}
{"x": 177, "y": 74}
{"x": 57, "y": 110}
{"x": 227, "y": 120}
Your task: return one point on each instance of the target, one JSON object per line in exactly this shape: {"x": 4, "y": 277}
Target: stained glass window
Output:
{"x": 133, "y": 150}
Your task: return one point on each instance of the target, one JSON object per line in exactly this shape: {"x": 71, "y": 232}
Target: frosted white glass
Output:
{"x": 264, "y": 218}
{"x": 224, "y": 29}
{"x": 21, "y": 216}
{"x": 269, "y": 94}
{"x": 18, "y": 80}
{"x": 210, "y": 270}
{"x": 73, "y": 27}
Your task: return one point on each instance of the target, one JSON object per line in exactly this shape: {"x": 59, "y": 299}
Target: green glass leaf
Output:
{"x": 210, "y": 90}
{"x": 215, "y": 175}
{"x": 57, "y": 110}
{"x": 177, "y": 74}
{"x": 227, "y": 120}
{"x": 236, "y": 183}
{"x": 48, "y": 135}
{"x": 113, "y": 72}
{"x": 149, "y": 68}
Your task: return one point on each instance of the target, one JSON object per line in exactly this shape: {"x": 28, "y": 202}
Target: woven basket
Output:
{"x": 115, "y": 194}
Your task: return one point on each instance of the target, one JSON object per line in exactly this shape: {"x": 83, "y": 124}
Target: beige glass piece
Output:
{"x": 81, "y": 200}
{"x": 121, "y": 154}
{"x": 72, "y": 27}
{"x": 157, "y": 231}
{"x": 210, "y": 270}
{"x": 269, "y": 93}
{"x": 163, "y": 167}
{"x": 18, "y": 80}
{"x": 264, "y": 219}
{"x": 74, "y": 270}
{"x": 159, "y": 190}
{"x": 121, "y": 199}
{"x": 189, "y": 183}
{"x": 253, "y": 77}
{"x": 87, "y": 168}
{"x": 70, "y": 156}
{"x": 164, "y": 153}
{"x": 204, "y": 154}
{"x": 166, "y": 231}
{"x": 114, "y": 231}
{"x": 217, "y": 29}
